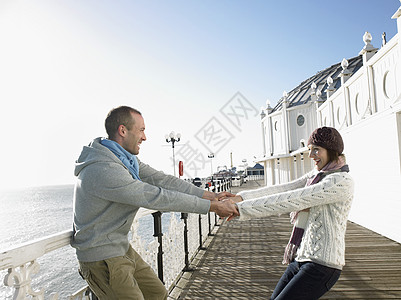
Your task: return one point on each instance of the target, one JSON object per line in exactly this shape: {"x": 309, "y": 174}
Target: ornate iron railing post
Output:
{"x": 207, "y": 187}
{"x": 157, "y": 221}
{"x": 184, "y": 216}
{"x": 209, "y": 219}
{"x": 214, "y": 190}
{"x": 200, "y": 234}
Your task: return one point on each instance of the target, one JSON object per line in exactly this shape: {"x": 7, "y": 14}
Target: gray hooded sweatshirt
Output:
{"x": 107, "y": 198}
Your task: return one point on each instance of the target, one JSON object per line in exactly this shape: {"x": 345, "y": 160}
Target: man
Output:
{"x": 112, "y": 184}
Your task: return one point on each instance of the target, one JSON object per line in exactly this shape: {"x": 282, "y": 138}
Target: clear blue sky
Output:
{"x": 65, "y": 64}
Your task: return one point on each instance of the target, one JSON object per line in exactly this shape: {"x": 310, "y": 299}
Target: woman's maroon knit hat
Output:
{"x": 328, "y": 138}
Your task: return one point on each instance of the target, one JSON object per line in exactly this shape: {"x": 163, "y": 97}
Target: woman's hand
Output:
{"x": 224, "y": 195}
{"x": 235, "y": 198}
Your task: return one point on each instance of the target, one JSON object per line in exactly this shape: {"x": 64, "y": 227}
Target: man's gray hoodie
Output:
{"x": 106, "y": 199}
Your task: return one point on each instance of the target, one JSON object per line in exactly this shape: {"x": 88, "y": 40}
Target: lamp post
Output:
{"x": 211, "y": 155}
{"x": 245, "y": 164}
{"x": 173, "y": 138}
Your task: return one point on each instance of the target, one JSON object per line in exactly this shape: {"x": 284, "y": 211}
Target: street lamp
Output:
{"x": 173, "y": 138}
{"x": 245, "y": 164}
{"x": 211, "y": 155}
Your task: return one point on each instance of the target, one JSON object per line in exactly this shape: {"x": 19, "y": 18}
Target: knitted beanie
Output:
{"x": 328, "y": 138}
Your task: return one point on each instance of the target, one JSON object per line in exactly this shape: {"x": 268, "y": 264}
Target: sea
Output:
{"x": 36, "y": 212}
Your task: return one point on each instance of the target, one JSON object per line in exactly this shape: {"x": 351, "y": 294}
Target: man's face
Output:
{"x": 135, "y": 136}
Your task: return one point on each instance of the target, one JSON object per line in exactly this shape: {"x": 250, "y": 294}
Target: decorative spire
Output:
{"x": 330, "y": 81}
{"x": 345, "y": 73}
{"x": 344, "y": 64}
{"x": 313, "y": 91}
{"x": 262, "y": 113}
{"x": 268, "y": 107}
{"x": 330, "y": 86}
{"x": 319, "y": 99}
{"x": 368, "y": 50}
{"x": 285, "y": 99}
{"x": 367, "y": 38}
{"x": 318, "y": 95}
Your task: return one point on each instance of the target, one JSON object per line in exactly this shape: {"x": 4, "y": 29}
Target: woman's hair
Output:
{"x": 333, "y": 155}
{"x": 119, "y": 116}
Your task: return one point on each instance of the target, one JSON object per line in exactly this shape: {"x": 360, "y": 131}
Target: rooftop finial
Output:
{"x": 262, "y": 113}
{"x": 318, "y": 94}
{"x": 368, "y": 50}
{"x": 344, "y": 64}
{"x": 367, "y": 38}
{"x": 313, "y": 91}
{"x": 268, "y": 109}
{"x": 345, "y": 73}
{"x": 330, "y": 87}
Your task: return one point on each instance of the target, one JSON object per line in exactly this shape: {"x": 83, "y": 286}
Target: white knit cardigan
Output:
{"x": 329, "y": 201}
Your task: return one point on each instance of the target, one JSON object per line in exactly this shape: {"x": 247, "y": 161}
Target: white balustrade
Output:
{"x": 372, "y": 89}
{"x": 21, "y": 263}
{"x": 255, "y": 177}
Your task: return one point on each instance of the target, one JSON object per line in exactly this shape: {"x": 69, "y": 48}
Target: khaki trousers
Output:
{"x": 123, "y": 277}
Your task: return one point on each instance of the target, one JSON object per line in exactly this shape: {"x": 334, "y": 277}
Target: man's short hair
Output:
{"x": 119, "y": 116}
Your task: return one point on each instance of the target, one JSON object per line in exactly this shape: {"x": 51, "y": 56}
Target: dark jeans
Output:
{"x": 305, "y": 281}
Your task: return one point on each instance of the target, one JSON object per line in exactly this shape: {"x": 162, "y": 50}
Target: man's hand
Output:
{"x": 216, "y": 196}
{"x": 223, "y": 195}
{"x": 224, "y": 208}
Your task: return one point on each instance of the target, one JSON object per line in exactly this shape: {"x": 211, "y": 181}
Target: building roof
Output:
{"x": 257, "y": 166}
{"x": 302, "y": 93}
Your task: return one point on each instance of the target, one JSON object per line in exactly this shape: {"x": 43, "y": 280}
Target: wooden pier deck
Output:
{"x": 243, "y": 261}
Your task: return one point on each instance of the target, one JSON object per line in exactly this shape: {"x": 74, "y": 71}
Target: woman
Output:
{"x": 320, "y": 202}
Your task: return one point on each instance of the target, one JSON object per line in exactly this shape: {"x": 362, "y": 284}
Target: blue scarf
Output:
{"x": 128, "y": 159}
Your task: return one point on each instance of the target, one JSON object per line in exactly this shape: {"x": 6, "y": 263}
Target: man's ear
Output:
{"x": 121, "y": 130}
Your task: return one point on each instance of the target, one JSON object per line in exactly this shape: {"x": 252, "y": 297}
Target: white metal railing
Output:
{"x": 176, "y": 248}
{"x": 255, "y": 177}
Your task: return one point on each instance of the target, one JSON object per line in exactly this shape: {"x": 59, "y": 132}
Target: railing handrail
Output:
{"x": 29, "y": 251}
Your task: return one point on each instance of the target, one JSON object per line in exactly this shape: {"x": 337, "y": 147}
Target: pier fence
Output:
{"x": 169, "y": 253}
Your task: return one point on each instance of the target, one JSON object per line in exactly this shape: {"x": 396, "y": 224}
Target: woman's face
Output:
{"x": 319, "y": 155}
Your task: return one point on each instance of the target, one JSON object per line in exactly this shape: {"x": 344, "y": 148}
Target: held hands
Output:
{"x": 224, "y": 208}
{"x": 234, "y": 200}
{"x": 223, "y": 203}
